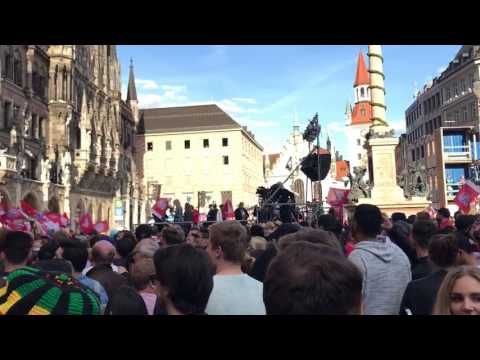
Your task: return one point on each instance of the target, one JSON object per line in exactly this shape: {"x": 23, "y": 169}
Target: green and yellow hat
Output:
{"x": 30, "y": 291}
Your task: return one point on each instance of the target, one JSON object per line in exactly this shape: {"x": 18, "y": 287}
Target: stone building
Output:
{"x": 442, "y": 128}
{"x": 194, "y": 149}
{"x": 67, "y": 137}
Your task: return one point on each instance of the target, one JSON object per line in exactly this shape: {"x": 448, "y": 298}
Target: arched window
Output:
{"x": 362, "y": 92}
{"x": 8, "y": 65}
{"x": 17, "y": 69}
{"x": 78, "y": 137}
{"x": 64, "y": 83}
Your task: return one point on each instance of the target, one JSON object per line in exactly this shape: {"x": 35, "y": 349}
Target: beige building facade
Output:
{"x": 67, "y": 138}
{"x": 199, "y": 149}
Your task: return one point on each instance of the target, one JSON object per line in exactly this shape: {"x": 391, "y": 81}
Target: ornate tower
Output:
{"x": 132, "y": 100}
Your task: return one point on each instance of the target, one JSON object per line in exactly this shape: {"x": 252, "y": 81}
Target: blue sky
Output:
{"x": 260, "y": 86}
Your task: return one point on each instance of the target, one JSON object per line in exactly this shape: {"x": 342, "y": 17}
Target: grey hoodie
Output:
{"x": 386, "y": 274}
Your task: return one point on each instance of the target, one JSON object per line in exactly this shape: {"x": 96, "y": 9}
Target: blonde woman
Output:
{"x": 459, "y": 293}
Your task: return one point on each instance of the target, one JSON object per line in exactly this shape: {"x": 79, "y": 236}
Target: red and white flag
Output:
{"x": 160, "y": 207}
{"x": 227, "y": 211}
{"x": 337, "y": 197}
{"x": 27, "y": 209}
{"x": 86, "y": 223}
{"x": 64, "y": 220}
{"x": 466, "y": 196}
{"x": 101, "y": 227}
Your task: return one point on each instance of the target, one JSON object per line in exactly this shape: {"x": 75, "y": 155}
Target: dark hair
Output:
{"x": 398, "y": 216}
{"x": 173, "y": 236}
{"x": 423, "y": 231}
{"x": 443, "y": 212}
{"x": 464, "y": 222}
{"x": 143, "y": 232}
{"x": 314, "y": 236}
{"x": 368, "y": 219}
{"x": 443, "y": 250}
{"x": 125, "y": 245}
{"x": 310, "y": 279}
{"x": 423, "y": 215}
{"x": 76, "y": 252}
{"x": 411, "y": 219}
{"x": 399, "y": 234}
{"x": 55, "y": 265}
{"x": 17, "y": 246}
{"x": 231, "y": 236}
{"x": 330, "y": 223}
{"x": 127, "y": 301}
{"x": 257, "y": 230}
{"x": 187, "y": 274}
{"x": 47, "y": 251}
{"x": 284, "y": 229}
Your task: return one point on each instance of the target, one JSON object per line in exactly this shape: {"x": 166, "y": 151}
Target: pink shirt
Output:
{"x": 150, "y": 300}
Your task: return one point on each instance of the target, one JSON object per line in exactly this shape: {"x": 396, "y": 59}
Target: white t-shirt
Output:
{"x": 236, "y": 295}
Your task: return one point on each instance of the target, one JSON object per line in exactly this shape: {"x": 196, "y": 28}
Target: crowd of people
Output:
{"x": 375, "y": 265}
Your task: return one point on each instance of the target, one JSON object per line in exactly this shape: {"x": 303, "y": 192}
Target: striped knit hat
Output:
{"x": 30, "y": 291}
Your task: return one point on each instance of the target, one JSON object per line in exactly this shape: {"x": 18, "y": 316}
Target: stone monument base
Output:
{"x": 409, "y": 207}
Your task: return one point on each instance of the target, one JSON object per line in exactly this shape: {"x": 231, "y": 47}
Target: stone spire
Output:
{"x": 377, "y": 87}
{"x": 132, "y": 91}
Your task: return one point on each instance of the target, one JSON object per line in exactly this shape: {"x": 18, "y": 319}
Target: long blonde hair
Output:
{"x": 442, "y": 305}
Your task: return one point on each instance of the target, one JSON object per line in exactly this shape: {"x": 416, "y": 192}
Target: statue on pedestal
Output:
{"x": 359, "y": 188}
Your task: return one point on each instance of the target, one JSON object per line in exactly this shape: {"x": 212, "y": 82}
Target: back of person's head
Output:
{"x": 60, "y": 236}
{"x": 17, "y": 247}
{"x": 330, "y": 223}
{"x": 257, "y": 230}
{"x": 464, "y": 222}
{"x": 146, "y": 248}
{"x": 400, "y": 231}
{"x": 399, "y": 216}
{"x": 368, "y": 219}
{"x": 125, "y": 245}
{"x": 423, "y": 215}
{"x": 186, "y": 274}
{"x": 312, "y": 279}
{"x": 411, "y": 219}
{"x": 422, "y": 232}
{"x": 232, "y": 238}
{"x": 143, "y": 231}
{"x": 103, "y": 253}
{"x": 173, "y": 235}
{"x": 127, "y": 301}
{"x": 76, "y": 252}
{"x": 55, "y": 265}
{"x": 47, "y": 251}
{"x": 443, "y": 212}
{"x": 141, "y": 273}
{"x": 284, "y": 229}
{"x": 443, "y": 250}
{"x": 314, "y": 236}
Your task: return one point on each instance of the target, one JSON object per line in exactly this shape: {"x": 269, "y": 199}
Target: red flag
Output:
{"x": 337, "y": 197}
{"x": 160, "y": 207}
{"x": 467, "y": 194}
{"x": 3, "y": 208}
{"x": 27, "y": 209}
{"x": 101, "y": 227}
{"x": 86, "y": 223}
{"x": 227, "y": 211}
{"x": 64, "y": 220}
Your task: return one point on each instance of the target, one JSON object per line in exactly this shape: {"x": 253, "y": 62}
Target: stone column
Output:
{"x": 377, "y": 89}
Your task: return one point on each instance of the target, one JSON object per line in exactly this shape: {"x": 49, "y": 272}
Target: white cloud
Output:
{"x": 398, "y": 125}
{"x": 245, "y": 100}
{"x": 251, "y": 123}
{"x": 336, "y": 127}
{"x": 147, "y": 84}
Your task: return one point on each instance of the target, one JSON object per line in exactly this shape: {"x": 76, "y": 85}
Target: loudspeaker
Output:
{"x": 310, "y": 166}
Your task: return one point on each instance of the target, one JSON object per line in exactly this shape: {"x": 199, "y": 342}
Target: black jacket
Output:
{"x": 422, "y": 268}
{"x": 420, "y": 295}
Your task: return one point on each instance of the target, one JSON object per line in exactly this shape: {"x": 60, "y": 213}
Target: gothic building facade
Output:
{"x": 67, "y": 139}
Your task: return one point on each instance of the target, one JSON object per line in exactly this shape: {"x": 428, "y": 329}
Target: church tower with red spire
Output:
{"x": 359, "y": 119}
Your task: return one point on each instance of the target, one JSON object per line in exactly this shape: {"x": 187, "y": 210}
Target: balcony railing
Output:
{"x": 457, "y": 152}
{"x": 453, "y": 189}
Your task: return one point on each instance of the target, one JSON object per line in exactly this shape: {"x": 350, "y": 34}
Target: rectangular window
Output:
{"x": 150, "y": 146}
{"x": 465, "y": 114}
{"x": 448, "y": 94}
{"x": 359, "y": 156}
{"x": 168, "y": 145}
{"x": 464, "y": 86}
{"x": 206, "y": 143}
{"x": 471, "y": 81}
{"x": 422, "y": 150}
{"x": 455, "y": 89}
{"x": 41, "y": 131}
{"x": 34, "y": 127}
{"x": 225, "y": 160}
{"x": 187, "y": 144}
{"x": 225, "y": 142}
{"x": 413, "y": 155}
{"x": 6, "y": 114}
{"x": 358, "y": 142}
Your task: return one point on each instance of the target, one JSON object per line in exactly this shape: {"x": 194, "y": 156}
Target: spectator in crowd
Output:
{"x": 172, "y": 235}
{"x": 400, "y": 236}
{"x": 188, "y": 216}
{"x": 384, "y": 266}
{"x": 422, "y": 233}
{"x": 269, "y": 228}
{"x": 178, "y": 213}
{"x": 15, "y": 251}
{"x": 420, "y": 294}
{"x": 124, "y": 244}
{"x": 411, "y": 219}
{"x": 312, "y": 279}
{"x": 103, "y": 253}
{"x": 145, "y": 249}
{"x": 183, "y": 279}
{"x": 330, "y": 223}
{"x": 234, "y": 293}
{"x": 55, "y": 265}
{"x": 423, "y": 215}
{"x": 127, "y": 301}
{"x": 398, "y": 216}
{"x": 141, "y": 275}
{"x": 315, "y": 236}
{"x": 257, "y": 238}
{"x": 459, "y": 293}
{"x": 241, "y": 214}
{"x": 212, "y": 214}
{"x": 76, "y": 253}
{"x": 193, "y": 235}
{"x": 48, "y": 250}
{"x": 444, "y": 221}
{"x": 143, "y": 231}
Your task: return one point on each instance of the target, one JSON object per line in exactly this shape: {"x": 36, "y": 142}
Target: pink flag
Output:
{"x": 101, "y": 227}
{"x": 27, "y": 209}
{"x": 64, "y": 220}
{"x": 160, "y": 207}
{"x": 227, "y": 211}
{"x": 466, "y": 196}
{"x": 86, "y": 223}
